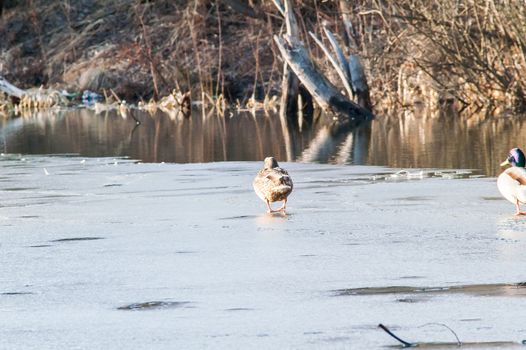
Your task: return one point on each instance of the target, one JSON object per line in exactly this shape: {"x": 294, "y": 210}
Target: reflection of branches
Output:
{"x": 222, "y": 122}
{"x": 259, "y": 142}
{"x": 288, "y": 138}
{"x": 324, "y": 144}
{"x": 345, "y": 143}
{"x": 133, "y": 131}
{"x": 156, "y": 138}
{"x": 360, "y": 146}
{"x": 320, "y": 148}
{"x": 345, "y": 151}
{"x": 137, "y": 121}
{"x": 123, "y": 145}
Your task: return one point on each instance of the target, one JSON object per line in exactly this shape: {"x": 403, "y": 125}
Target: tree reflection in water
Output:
{"x": 437, "y": 140}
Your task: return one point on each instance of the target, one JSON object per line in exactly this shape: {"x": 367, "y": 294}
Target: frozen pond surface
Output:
{"x": 98, "y": 253}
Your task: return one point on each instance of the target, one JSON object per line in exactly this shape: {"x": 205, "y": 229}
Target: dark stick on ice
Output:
{"x": 406, "y": 344}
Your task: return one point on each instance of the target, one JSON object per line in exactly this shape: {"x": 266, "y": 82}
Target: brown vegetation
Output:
{"x": 467, "y": 53}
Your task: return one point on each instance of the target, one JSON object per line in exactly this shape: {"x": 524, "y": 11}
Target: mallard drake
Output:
{"x": 273, "y": 184}
{"x": 512, "y": 181}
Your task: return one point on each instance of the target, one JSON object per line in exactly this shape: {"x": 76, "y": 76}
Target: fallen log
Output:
{"x": 10, "y": 89}
{"x": 324, "y": 92}
{"x": 33, "y": 98}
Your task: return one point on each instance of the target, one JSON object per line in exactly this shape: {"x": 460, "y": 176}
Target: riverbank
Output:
{"x": 225, "y": 49}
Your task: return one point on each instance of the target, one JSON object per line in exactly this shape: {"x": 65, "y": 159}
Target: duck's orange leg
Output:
{"x": 518, "y": 206}
{"x": 284, "y": 206}
{"x": 269, "y": 207}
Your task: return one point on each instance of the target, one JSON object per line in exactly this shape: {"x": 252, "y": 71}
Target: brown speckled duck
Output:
{"x": 273, "y": 184}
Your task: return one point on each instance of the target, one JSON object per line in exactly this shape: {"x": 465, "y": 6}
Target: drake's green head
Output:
{"x": 515, "y": 158}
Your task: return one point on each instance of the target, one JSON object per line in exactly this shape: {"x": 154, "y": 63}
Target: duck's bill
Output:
{"x": 504, "y": 163}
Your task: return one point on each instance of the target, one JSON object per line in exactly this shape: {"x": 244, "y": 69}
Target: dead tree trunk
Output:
{"x": 329, "y": 98}
{"x": 290, "y": 83}
{"x": 350, "y": 71}
{"x": 326, "y": 94}
{"x": 356, "y": 71}
{"x": 288, "y": 108}
{"x": 359, "y": 82}
{"x": 349, "y": 29}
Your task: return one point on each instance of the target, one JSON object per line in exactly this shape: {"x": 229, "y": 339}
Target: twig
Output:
{"x": 347, "y": 23}
{"x": 220, "y": 56}
{"x": 149, "y": 55}
{"x": 256, "y": 57}
{"x": 459, "y": 343}
{"x": 193, "y": 35}
{"x": 137, "y": 121}
{"x": 280, "y": 7}
{"x": 404, "y": 343}
{"x": 114, "y": 95}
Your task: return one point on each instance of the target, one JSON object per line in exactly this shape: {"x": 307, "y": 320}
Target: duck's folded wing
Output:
{"x": 286, "y": 180}
{"x": 512, "y": 184}
{"x": 517, "y": 174}
{"x": 520, "y": 177}
{"x": 521, "y": 194}
{"x": 273, "y": 177}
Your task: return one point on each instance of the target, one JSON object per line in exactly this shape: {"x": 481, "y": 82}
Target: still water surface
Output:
{"x": 404, "y": 141}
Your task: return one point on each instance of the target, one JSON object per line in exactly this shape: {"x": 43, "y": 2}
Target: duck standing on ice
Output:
{"x": 512, "y": 181}
{"x": 273, "y": 184}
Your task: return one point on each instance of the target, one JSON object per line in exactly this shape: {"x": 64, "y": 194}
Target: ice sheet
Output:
{"x": 100, "y": 253}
